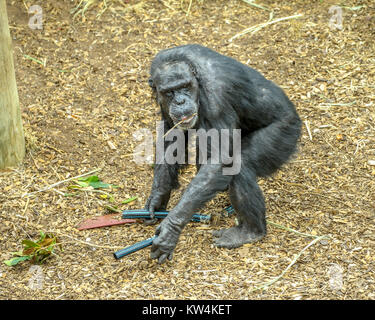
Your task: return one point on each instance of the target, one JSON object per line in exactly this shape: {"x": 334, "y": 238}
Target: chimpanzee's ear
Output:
{"x": 151, "y": 82}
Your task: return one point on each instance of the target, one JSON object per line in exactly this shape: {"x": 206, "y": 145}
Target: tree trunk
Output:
{"x": 12, "y": 141}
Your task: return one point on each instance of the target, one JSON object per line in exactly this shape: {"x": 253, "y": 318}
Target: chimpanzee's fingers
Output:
{"x": 151, "y": 209}
{"x": 148, "y": 201}
{"x": 155, "y": 252}
{"x": 157, "y": 230}
{"x": 155, "y": 245}
{"x": 161, "y": 249}
{"x": 163, "y": 257}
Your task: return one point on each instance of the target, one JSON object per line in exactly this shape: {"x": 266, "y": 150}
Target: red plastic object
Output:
{"x": 103, "y": 221}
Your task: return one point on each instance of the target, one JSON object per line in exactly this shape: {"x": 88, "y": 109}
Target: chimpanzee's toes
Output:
{"x": 218, "y": 233}
{"x": 150, "y": 222}
{"x": 235, "y": 237}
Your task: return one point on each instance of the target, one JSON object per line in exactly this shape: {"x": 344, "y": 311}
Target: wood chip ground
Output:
{"x": 83, "y": 102}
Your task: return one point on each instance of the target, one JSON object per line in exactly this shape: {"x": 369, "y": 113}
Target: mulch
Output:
{"x": 85, "y": 93}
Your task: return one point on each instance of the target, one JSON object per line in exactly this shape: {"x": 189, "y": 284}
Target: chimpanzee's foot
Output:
{"x": 235, "y": 237}
{"x": 149, "y": 222}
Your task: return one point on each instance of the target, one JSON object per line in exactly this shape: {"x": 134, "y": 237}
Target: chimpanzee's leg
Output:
{"x": 262, "y": 153}
{"x": 247, "y": 200}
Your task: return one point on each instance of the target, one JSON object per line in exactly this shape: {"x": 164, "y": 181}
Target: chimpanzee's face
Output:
{"x": 177, "y": 93}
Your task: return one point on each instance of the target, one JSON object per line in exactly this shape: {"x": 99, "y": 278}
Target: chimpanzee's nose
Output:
{"x": 179, "y": 100}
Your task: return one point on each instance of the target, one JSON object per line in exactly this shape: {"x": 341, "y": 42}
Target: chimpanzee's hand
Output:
{"x": 157, "y": 201}
{"x": 163, "y": 246}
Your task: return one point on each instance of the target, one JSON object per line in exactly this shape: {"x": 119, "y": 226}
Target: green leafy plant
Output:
{"x": 115, "y": 208}
{"x": 129, "y": 200}
{"x": 36, "y": 252}
{"x": 93, "y": 181}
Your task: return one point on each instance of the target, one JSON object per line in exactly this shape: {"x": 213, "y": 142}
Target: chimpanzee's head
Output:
{"x": 177, "y": 92}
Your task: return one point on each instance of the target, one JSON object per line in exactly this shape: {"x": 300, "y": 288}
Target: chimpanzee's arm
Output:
{"x": 165, "y": 178}
{"x": 202, "y": 188}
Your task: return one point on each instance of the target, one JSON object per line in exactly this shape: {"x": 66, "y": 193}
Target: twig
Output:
{"x": 337, "y": 104}
{"x": 58, "y": 183}
{"x": 307, "y": 124}
{"x": 251, "y": 2}
{"x": 167, "y": 5}
{"x": 283, "y": 227}
{"x": 59, "y": 192}
{"x": 43, "y": 63}
{"x": 291, "y": 230}
{"x": 269, "y": 283}
{"x": 176, "y": 125}
{"x": 81, "y": 241}
{"x": 258, "y": 27}
{"x": 26, "y": 206}
{"x": 94, "y": 190}
{"x": 188, "y": 10}
{"x": 171, "y": 129}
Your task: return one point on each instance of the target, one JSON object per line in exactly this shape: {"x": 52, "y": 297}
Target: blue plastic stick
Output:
{"x": 133, "y": 214}
{"x": 144, "y": 214}
{"x": 133, "y": 248}
{"x": 229, "y": 209}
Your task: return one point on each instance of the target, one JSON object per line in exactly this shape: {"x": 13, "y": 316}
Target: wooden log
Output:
{"x": 12, "y": 141}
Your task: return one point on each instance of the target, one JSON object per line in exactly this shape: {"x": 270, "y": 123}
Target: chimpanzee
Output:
{"x": 198, "y": 88}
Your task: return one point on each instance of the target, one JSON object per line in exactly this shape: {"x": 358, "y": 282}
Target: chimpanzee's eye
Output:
{"x": 169, "y": 94}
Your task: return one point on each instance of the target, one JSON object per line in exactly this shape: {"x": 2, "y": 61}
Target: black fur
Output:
{"x": 224, "y": 94}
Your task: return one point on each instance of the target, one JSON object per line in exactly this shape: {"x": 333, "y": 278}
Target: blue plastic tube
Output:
{"x": 133, "y": 248}
{"x": 144, "y": 214}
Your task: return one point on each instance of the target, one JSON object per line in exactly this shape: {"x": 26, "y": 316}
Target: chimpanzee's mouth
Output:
{"x": 187, "y": 121}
